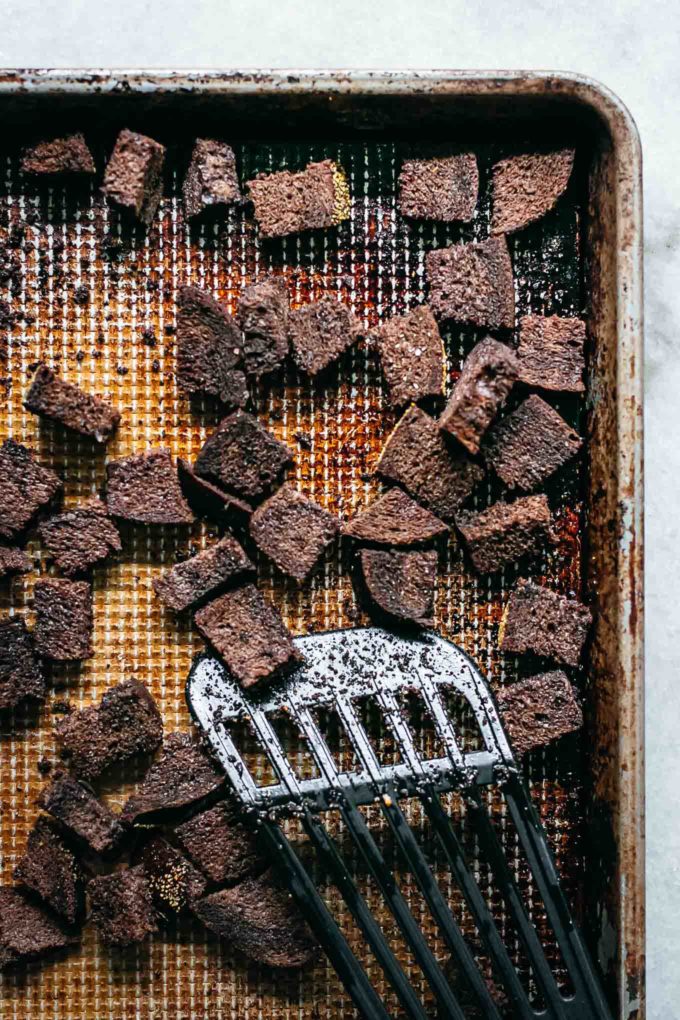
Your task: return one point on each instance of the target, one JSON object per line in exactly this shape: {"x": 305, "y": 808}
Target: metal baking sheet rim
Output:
{"x": 627, "y": 167}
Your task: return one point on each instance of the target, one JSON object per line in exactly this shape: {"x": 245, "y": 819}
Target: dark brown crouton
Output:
{"x": 416, "y": 457}
{"x": 20, "y": 674}
{"x": 59, "y": 156}
{"x": 527, "y": 187}
{"x": 211, "y": 180}
{"x": 263, "y": 317}
{"x": 26, "y": 930}
{"x": 133, "y": 178}
{"x": 190, "y": 581}
{"x": 88, "y": 819}
{"x": 220, "y": 844}
{"x": 173, "y": 881}
{"x": 243, "y": 456}
{"x": 145, "y": 487}
{"x": 52, "y": 397}
{"x": 439, "y": 189}
{"x": 14, "y": 561}
{"x": 63, "y": 619}
{"x": 312, "y": 199}
{"x": 249, "y": 634}
{"x": 504, "y": 532}
{"x": 530, "y": 444}
{"x": 293, "y": 531}
{"x": 395, "y": 519}
{"x": 49, "y": 869}
{"x": 539, "y": 710}
{"x": 234, "y": 392}
{"x": 25, "y": 488}
{"x": 472, "y": 283}
{"x": 488, "y": 375}
{"x": 320, "y": 332}
{"x": 183, "y": 776}
{"x": 122, "y": 907}
{"x": 550, "y": 352}
{"x": 401, "y": 584}
{"x": 79, "y": 538}
{"x": 541, "y": 621}
{"x": 261, "y": 920}
{"x": 412, "y": 356}
{"x": 209, "y": 348}
{"x": 125, "y": 723}
{"x": 208, "y": 500}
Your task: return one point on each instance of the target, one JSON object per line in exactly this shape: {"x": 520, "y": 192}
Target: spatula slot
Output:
{"x": 337, "y": 740}
{"x": 295, "y": 745}
{"x": 251, "y": 750}
{"x": 378, "y": 730}
{"x": 426, "y": 739}
{"x": 463, "y": 720}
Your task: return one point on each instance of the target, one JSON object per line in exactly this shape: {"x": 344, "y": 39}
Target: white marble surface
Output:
{"x": 632, "y": 47}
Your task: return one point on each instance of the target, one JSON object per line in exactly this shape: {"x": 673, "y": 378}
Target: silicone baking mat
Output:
{"x": 117, "y": 340}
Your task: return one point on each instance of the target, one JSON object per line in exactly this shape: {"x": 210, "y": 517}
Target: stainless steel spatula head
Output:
{"x": 341, "y": 669}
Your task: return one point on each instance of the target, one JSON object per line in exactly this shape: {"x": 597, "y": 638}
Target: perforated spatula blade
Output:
{"x": 339, "y": 669}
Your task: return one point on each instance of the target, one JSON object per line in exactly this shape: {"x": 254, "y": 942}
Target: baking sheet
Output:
{"x": 375, "y": 263}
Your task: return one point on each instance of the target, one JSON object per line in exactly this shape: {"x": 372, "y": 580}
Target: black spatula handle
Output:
{"x": 320, "y": 920}
{"x": 588, "y": 1002}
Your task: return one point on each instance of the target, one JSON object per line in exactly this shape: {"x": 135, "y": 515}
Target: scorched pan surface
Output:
{"x": 120, "y": 343}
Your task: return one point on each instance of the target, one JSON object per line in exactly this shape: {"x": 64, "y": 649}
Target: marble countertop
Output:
{"x": 632, "y": 48}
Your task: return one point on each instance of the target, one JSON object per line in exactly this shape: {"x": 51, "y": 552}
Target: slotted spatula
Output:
{"x": 340, "y": 668}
